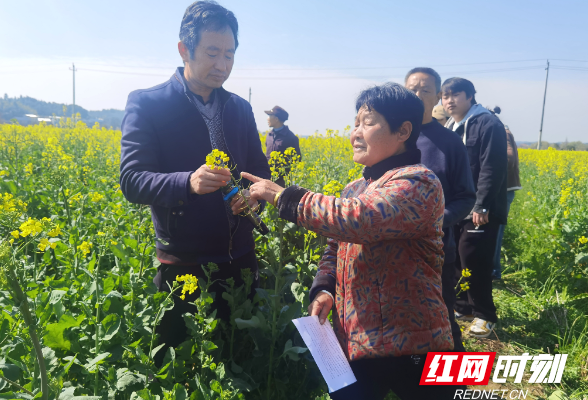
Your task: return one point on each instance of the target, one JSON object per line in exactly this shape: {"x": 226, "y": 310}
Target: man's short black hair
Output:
{"x": 396, "y": 104}
{"x": 456, "y": 85}
{"x": 428, "y": 71}
{"x": 202, "y": 15}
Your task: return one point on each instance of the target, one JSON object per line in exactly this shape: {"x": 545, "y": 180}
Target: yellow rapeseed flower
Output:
{"x": 29, "y": 169}
{"x": 190, "y": 284}
{"x": 333, "y": 188}
{"x": 43, "y": 244}
{"x": 96, "y": 197}
{"x": 217, "y": 159}
{"x": 54, "y": 232}
{"x": 31, "y": 227}
{"x": 583, "y": 240}
{"x": 85, "y": 248}
{"x": 466, "y": 273}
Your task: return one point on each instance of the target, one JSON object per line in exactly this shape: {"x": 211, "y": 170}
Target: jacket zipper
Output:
{"x": 231, "y": 234}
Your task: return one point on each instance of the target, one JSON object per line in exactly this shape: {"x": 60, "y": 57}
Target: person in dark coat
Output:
{"x": 485, "y": 139}
{"x": 167, "y": 132}
{"x": 443, "y": 152}
{"x": 513, "y": 184}
{"x": 280, "y": 137}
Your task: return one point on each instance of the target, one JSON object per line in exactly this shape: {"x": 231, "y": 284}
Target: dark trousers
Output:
{"x": 172, "y": 329}
{"x": 448, "y": 292}
{"x": 476, "y": 252}
{"x": 377, "y": 376}
{"x": 497, "y": 273}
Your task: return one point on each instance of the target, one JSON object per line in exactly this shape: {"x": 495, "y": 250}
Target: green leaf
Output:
{"x": 579, "y": 297}
{"x": 293, "y": 351}
{"x": 249, "y": 323}
{"x": 93, "y": 363}
{"x": 179, "y": 392}
{"x": 111, "y": 326}
{"x": 129, "y": 381}
{"x": 10, "y": 371}
{"x": 208, "y": 346}
{"x": 119, "y": 252}
{"x": 12, "y": 395}
{"x": 216, "y": 386}
{"x": 56, "y": 296}
{"x": 558, "y": 395}
{"x": 54, "y": 336}
{"x": 235, "y": 368}
{"x": 163, "y": 242}
{"x": 67, "y": 393}
{"x": 108, "y": 285}
{"x": 581, "y": 258}
{"x": 132, "y": 243}
{"x": 155, "y": 350}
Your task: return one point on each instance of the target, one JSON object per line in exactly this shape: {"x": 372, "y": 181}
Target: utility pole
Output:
{"x": 543, "y": 112}
{"x": 73, "y": 69}
{"x": 249, "y": 95}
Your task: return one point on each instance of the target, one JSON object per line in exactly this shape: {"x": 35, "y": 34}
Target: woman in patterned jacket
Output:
{"x": 382, "y": 266}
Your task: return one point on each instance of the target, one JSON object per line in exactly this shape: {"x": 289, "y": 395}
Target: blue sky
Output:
{"x": 312, "y": 57}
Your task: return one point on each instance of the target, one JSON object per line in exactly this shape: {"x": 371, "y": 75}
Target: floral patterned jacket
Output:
{"x": 383, "y": 262}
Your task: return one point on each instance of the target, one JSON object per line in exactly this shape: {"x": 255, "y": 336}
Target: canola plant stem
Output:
{"x": 275, "y": 311}
{"x": 16, "y": 385}
{"x": 98, "y": 325}
{"x": 26, "y": 313}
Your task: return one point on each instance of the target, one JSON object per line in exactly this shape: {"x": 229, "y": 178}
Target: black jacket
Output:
{"x": 443, "y": 152}
{"x": 164, "y": 140}
{"x": 280, "y": 141}
{"x": 485, "y": 140}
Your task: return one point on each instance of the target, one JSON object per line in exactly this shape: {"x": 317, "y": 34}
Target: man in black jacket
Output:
{"x": 167, "y": 131}
{"x": 443, "y": 152}
{"x": 485, "y": 140}
{"x": 280, "y": 137}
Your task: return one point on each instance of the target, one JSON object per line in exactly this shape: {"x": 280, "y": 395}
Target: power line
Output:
{"x": 571, "y": 68}
{"x": 561, "y": 59}
{"x": 321, "y": 77}
{"x": 336, "y": 68}
{"x": 121, "y": 72}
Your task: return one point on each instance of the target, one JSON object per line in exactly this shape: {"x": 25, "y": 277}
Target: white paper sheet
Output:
{"x": 326, "y": 351}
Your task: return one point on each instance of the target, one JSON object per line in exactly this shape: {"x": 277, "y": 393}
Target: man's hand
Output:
{"x": 321, "y": 306}
{"x": 205, "y": 180}
{"x": 238, "y": 204}
{"x": 480, "y": 219}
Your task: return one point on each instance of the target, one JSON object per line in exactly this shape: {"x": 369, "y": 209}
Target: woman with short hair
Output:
{"x": 382, "y": 266}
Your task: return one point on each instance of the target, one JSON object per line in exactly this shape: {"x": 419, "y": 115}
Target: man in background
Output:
{"x": 280, "y": 137}
{"x": 440, "y": 114}
{"x": 513, "y": 183}
{"x": 443, "y": 152}
{"x": 485, "y": 140}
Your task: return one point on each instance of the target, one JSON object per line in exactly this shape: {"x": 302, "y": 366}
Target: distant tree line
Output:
{"x": 570, "y": 146}
{"x": 16, "y": 107}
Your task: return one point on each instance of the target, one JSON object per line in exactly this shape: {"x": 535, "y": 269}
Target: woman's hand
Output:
{"x": 262, "y": 189}
{"x": 239, "y": 203}
{"x": 321, "y": 306}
